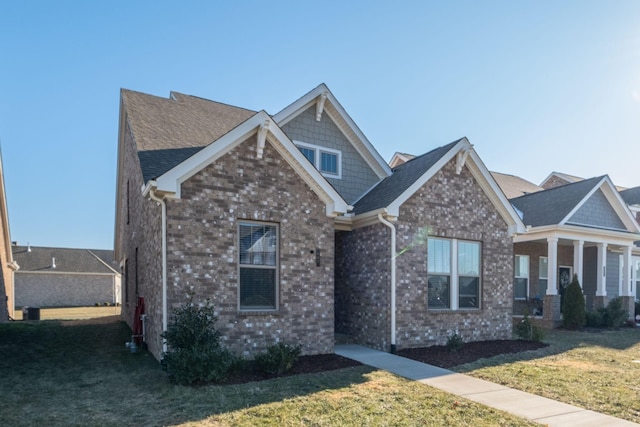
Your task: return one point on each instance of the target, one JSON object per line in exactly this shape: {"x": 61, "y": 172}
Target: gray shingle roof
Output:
{"x": 403, "y": 176}
{"x": 552, "y": 206}
{"x": 631, "y": 196}
{"x": 166, "y": 126}
{"x": 514, "y": 186}
{"x": 67, "y": 260}
{"x": 156, "y": 162}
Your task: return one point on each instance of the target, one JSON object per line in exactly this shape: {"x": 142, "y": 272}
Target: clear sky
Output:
{"x": 536, "y": 86}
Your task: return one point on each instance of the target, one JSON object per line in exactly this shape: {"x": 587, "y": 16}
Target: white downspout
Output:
{"x": 163, "y": 204}
{"x": 393, "y": 280}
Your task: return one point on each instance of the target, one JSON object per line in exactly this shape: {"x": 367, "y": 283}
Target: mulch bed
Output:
{"x": 441, "y": 356}
{"x": 438, "y": 355}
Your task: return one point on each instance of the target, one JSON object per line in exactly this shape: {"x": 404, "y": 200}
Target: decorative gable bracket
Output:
{"x": 320, "y": 105}
{"x": 262, "y": 137}
{"x": 461, "y": 158}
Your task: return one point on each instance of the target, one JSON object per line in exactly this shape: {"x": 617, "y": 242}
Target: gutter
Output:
{"x": 393, "y": 280}
{"x": 161, "y": 201}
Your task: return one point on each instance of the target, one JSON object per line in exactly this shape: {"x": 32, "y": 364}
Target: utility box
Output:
{"x": 30, "y": 313}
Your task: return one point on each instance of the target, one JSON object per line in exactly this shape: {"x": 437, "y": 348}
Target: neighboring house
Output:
{"x": 514, "y": 186}
{"x": 60, "y": 277}
{"x": 7, "y": 264}
{"x": 583, "y": 228}
{"x": 295, "y": 227}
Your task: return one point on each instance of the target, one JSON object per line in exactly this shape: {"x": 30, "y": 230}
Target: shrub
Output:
{"x": 278, "y": 359}
{"x": 455, "y": 342}
{"x": 594, "y": 318}
{"x": 615, "y": 315}
{"x": 526, "y": 330}
{"x": 573, "y": 305}
{"x": 195, "y": 354}
{"x": 637, "y": 308}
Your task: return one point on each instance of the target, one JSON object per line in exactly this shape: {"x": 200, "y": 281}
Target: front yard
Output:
{"x": 80, "y": 373}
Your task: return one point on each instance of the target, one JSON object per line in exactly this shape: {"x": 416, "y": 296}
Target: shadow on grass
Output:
{"x": 80, "y": 373}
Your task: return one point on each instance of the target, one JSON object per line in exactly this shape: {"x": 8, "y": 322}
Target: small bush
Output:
{"x": 637, "y": 308}
{"x": 526, "y": 330}
{"x": 594, "y": 319}
{"x": 455, "y": 342}
{"x": 195, "y": 355}
{"x": 573, "y": 306}
{"x": 615, "y": 315}
{"x": 278, "y": 359}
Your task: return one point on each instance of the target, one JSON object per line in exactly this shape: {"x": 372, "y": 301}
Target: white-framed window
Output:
{"x": 521, "y": 281}
{"x": 327, "y": 160}
{"x": 543, "y": 273}
{"x": 453, "y": 274}
{"x": 258, "y": 266}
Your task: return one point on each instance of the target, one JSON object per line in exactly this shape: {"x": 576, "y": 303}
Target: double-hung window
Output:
{"x": 543, "y": 273}
{"x": 258, "y": 266}
{"x": 327, "y": 160}
{"x": 453, "y": 274}
{"x": 521, "y": 282}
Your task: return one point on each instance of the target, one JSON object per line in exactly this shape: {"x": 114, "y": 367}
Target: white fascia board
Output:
{"x": 289, "y": 113}
{"x": 394, "y": 208}
{"x": 493, "y": 191}
{"x": 170, "y": 182}
{"x": 615, "y": 201}
{"x": 575, "y": 232}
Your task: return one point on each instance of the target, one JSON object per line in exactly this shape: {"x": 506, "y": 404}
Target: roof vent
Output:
{"x": 28, "y": 247}
{"x": 53, "y": 262}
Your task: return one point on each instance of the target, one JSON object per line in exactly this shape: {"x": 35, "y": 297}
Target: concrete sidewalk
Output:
{"x": 526, "y": 405}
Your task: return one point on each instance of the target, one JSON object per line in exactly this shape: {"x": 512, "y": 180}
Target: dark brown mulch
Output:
{"x": 304, "y": 365}
{"x": 441, "y": 356}
{"x": 438, "y": 355}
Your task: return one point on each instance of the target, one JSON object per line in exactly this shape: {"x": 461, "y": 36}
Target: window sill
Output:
{"x": 247, "y": 313}
{"x": 451, "y": 311}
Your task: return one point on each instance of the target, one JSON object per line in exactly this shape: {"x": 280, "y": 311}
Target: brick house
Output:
{"x": 7, "y": 265}
{"x": 64, "y": 277}
{"x": 291, "y": 224}
{"x": 576, "y": 226}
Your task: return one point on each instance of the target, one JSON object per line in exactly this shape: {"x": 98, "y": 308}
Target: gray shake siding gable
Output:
{"x": 357, "y": 176}
{"x": 450, "y": 206}
{"x": 202, "y": 233}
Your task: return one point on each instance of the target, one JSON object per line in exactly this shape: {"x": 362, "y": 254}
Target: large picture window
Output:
{"x": 258, "y": 265}
{"x": 453, "y": 274}
{"x": 521, "y": 282}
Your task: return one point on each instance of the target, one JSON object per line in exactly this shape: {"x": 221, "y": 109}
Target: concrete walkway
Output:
{"x": 526, "y": 405}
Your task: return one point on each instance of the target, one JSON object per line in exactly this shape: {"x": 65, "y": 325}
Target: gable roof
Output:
{"x": 325, "y": 102}
{"x": 168, "y": 130}
{"x": 261, "y": 124}
{"x": 403, "y": 176}
{"x": 631, "y": 196}
{"x": 569, "y": 179}
{"x": 400, "y": 158}
{"x": 514, "y": 186}
{"x": 40, "y": 259}
{"x": 556, "y": 206}
{"x": 390, "y": 193}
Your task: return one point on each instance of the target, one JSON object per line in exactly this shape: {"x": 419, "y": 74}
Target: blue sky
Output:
{"x": 536, "y": 86}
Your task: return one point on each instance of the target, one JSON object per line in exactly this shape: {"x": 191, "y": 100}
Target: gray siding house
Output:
{"x": 296, "y": 228}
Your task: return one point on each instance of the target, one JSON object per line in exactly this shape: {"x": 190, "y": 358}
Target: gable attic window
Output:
{"x": 327, "y": 160}
{"x": 258, "y": 266}
{"x": 453, "y": 274}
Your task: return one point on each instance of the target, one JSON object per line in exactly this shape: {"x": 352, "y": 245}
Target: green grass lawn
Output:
{"x": 79, "y": 373}
{"x": 594, "y": 370}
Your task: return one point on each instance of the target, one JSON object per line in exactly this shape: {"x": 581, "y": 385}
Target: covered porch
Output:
{"x": 606, "y": 263}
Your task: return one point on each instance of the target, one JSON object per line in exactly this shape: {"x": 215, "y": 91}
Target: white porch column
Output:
{"x": 627, "y": 285}
{"x": 578, "y": 254}
{"x": 552, "y": 266}
{"x": 601, "y": 272}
